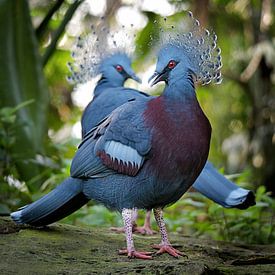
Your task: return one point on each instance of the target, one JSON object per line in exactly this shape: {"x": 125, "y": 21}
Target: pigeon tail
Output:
{"x": 59, "y": 203}
{"x": 218, "y": 188}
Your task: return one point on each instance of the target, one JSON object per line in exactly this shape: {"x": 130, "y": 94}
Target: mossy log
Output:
{"x": 64, "y": 249}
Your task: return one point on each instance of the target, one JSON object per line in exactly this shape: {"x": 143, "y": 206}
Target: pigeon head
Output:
{"x": 117, "y": 69}
{"x": 102, "y": 52}
{"x": 188, "y": 51}
{"x": 172, "y": 65}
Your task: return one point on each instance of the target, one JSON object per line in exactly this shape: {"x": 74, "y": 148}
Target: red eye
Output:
{"x": 172, "y": 64}
{"x": 119, "y": 68}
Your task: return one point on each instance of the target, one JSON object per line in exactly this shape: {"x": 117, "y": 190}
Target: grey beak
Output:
{"x": 155, "y": 78}
{"x": 132, "y": 75}
{"x": 152, "y": 77}
{"x": 136, "y": 78}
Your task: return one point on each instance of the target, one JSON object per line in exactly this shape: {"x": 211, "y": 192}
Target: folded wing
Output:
{"x": 120, "y": 144}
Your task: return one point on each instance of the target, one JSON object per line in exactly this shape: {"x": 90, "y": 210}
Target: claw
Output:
{"x": 136, "y": 254}
{"x": 164, "y": 248}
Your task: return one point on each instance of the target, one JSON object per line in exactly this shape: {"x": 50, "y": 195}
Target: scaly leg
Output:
{"x": 134, "y": 225}
{"x": 165, "y": 246}
{"x": 146, "y": 228}
{"x": 130, "y": 251}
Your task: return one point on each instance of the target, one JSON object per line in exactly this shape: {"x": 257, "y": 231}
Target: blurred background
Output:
{"x": 40, "y": 111}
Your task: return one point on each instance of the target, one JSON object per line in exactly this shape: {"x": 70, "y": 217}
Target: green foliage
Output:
{"x": 8, "y": 127}
{"x": 195, "y": 215}
{"x": 26, "y": 171}
{"x": 59, "y": 30}
{"x": 254, "y": 225}
{"x": 94, "y": 215}
{"x": 26, "y": 145}
{"x": 198, "y": 216}
{"x": 61, "y": 107}
{"x": 10, "y": 187}
{"x": 144, "y": 41}
{"x": 22, "y": 79}
{"x": 15, "y": 192}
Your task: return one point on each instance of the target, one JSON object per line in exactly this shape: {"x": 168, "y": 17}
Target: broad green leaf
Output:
{"x": 21, "y": 79}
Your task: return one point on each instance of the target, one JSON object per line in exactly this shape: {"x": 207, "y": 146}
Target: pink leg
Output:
{"x": 165, "y": 246}
{"x": 134, "y": 225}
{"x": 146, "y": 228}
{"x": 130, "y": 251}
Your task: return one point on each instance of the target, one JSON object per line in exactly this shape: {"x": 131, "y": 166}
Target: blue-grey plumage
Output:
{"x": 136, "y": 124}
{"x": 110, "y": 94}
{"x": 59, "y": 203}
{"x": 103, "y": 105}
{"x": 115, "y": 70}
{"x": 152, "y": 132}
{"x": 141, "y": 155}
{"x": 67, "y": 197}
{"x": 218, "y": 188}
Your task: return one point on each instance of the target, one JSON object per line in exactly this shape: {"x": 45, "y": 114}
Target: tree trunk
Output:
{"x": 262, "y": 118}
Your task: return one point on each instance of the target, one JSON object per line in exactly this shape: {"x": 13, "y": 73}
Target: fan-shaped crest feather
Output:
{"x": 198, "y": 44}
{"x": 99, "y": 45}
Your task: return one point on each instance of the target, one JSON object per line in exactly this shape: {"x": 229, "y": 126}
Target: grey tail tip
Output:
{"x": 249, "y": 201}
{"x": 16, "y": 216}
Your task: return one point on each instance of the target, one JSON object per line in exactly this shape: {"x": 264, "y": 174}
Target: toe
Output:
{"x": 171, "y": 252}
{"x": 144, "y": 255}
{"x": 141, "y": 255}
{"x": 168, "y": 249}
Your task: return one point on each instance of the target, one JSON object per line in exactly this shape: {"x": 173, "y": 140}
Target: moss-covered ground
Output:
{"x": 63, "y": 249}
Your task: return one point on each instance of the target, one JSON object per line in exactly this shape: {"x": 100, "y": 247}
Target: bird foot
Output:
{"x": 167, "y": 248}
{"x": 144, "y": 230}
{"x": 136, "y": 254}
{"x": 117, "y": 229}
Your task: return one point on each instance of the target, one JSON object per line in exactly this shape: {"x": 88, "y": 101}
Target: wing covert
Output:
{"x": 120, "y": 144}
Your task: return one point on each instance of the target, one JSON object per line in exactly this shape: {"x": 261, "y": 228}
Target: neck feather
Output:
{"x": 105, "y": 83}
{"x": 180, "y": 89}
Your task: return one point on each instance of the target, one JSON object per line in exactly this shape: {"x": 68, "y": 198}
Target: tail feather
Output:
{"x": 219, "y": 189}
{"x": 59, "y": 203}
